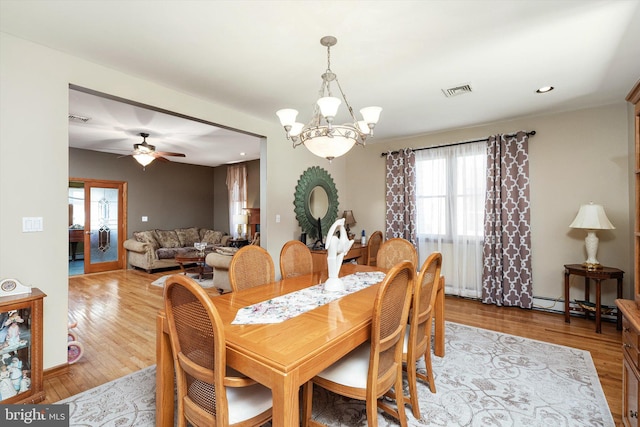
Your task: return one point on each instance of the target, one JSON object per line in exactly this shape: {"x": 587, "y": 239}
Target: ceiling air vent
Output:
{"x": 78, "y": 118}
{"x": 457, "y": 90}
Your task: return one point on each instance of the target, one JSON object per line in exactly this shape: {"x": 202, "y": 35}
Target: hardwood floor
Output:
{"x": 116, "y": 324}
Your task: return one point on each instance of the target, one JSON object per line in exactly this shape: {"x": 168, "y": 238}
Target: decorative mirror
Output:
{"x": 316, "y": 197}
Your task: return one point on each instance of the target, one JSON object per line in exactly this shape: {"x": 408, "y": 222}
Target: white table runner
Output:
{"x": 285, "y": 307}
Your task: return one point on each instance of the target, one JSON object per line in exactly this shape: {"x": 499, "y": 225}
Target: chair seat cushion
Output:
{"x": 352, "y": 369}
{"x": 247, "y": 402}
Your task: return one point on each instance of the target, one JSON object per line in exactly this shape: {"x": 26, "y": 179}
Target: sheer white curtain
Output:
{"x": 237, "y": 186}
{"x": 450, "y": 190}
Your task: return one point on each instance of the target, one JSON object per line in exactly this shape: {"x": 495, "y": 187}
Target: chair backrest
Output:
{"x": 424, "y": 296}
{"x": 251, "y": 266}
{"x": 373, "y": 246}
{"x": 295, "y": 259}
{"x": 395, "y": 250}
{"x": 198, "y": 344}
{"x": 390, "y": 315}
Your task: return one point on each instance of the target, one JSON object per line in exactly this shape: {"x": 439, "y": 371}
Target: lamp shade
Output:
{"x": 143, "y": 158}
{"x": 287, "y": 116}
{"x": 349, "y": 219}
{"x": 592, "y": 217}
{"x": 240, "y": 219}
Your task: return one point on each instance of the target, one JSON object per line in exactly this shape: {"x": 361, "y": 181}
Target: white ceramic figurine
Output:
{"x": 337, "y": 247}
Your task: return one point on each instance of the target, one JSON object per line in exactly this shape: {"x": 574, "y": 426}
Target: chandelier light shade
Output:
{"x": 591, "y": 217}
{"x": 321, "y": 136}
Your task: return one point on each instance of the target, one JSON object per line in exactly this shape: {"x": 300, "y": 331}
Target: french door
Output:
{"x": 105, "y": 225}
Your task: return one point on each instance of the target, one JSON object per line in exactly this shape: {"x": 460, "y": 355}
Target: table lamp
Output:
{"x": 240, "y": 220}
{"x": 591, "y": 217}
{"x": 349, "y": 220}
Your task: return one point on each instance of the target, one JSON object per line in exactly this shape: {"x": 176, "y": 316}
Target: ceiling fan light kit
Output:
{"x": 320, "y": 135}
{"x": 145, "y": 153}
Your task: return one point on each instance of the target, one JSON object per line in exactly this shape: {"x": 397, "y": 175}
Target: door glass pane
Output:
{"x": 104, "y": 225}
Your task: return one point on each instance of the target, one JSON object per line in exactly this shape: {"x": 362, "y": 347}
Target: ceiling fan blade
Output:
{"x": 167, "y": 153}
{"x": 160, "y": 158}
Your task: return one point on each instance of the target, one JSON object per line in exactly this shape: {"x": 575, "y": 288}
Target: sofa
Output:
{"x": 156, "y": 249}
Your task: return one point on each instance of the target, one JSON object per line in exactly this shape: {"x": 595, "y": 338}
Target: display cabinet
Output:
{"x": 21, "y": 347}
{"x": 631, "y": 309}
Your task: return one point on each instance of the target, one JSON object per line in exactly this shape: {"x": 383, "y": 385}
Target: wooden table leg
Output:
{"x": 587, "y": 314}
{"x": 567, "y": 308}
{"x": 439, "y": 316}
{"x": 598, "y": 306}
{"x": 286, "y": 405}
{"x": 164, "y": 376}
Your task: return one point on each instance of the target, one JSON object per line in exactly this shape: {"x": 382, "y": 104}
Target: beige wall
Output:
{"x": 575, "y": 157}
{"x": 34, "y": 166}
{"x": 171, "y": 195}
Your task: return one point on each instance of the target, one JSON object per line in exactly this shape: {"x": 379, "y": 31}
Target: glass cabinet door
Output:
{"x": 15, "y": 352}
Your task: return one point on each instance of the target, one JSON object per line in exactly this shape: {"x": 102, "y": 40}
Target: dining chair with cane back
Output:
{"x": 209, "y": 393}
{"x": 417, "y": 340}
{"x": 295, "y": 259}
{"x": 373, "y": 246}
{"x": 251, "y": 266}
{"x": 394, "y": 250}
{"x": 373, "y": 368}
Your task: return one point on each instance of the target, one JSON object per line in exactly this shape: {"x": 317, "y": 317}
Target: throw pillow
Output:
{"x": 146, "y": 237}
{"x": 188, "y": 236}
{"x": 167, "y": 238}
{"x": 212, "y": 237}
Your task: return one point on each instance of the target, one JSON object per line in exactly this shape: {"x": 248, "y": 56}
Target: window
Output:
{"x": 450, "y": 195}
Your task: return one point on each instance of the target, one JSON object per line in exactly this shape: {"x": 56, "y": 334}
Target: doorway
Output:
{"x": 97, "y": 225}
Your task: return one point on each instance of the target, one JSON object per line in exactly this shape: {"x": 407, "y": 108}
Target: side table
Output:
{"x": 238, "y": 243}
{"x": 598, "y": 275}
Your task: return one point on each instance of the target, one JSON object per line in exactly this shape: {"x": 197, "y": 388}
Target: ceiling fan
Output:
{"x": 145, "y": 153}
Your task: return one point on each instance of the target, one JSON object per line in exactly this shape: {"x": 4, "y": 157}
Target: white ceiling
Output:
{"x": 260, "y": 56}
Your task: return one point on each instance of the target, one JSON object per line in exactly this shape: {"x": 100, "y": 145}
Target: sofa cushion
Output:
{"x": 212, "y": 237}
{"x": 167, "y": 238}
{"x": 188, "y": 236}
{"x": 166, "y": 253}
{"x": 146, "y": 237}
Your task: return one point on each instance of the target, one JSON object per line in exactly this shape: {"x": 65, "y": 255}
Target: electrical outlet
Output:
{"x": 145, "y": 218}
{"x": 277, "y": 218}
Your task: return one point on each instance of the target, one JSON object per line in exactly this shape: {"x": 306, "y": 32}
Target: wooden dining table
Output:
{"x": 283, "y": 356}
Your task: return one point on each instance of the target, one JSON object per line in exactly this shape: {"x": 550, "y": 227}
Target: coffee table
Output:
{"x": 189, "y": 258}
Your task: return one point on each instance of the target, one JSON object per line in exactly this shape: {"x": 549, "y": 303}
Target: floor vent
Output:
{"x": 457, "y": 90}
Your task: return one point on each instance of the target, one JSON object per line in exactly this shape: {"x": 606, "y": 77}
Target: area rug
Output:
{"x": 205, "y": 282}
{"x": 485, "y": 379}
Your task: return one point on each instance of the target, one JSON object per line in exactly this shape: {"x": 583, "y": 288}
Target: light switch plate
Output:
{"x": 32, "y": 224}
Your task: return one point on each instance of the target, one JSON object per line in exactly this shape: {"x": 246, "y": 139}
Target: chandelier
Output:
{"x": 322, "y": 137}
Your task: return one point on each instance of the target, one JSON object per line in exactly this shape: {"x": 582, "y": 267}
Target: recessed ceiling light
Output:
{"x": 243, "y": 154}
{"x": 545, "y": 89}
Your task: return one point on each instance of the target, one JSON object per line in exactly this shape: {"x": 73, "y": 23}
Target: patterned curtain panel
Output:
{"x": 401, "y": 195}
{"x": 506, "y": 277}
